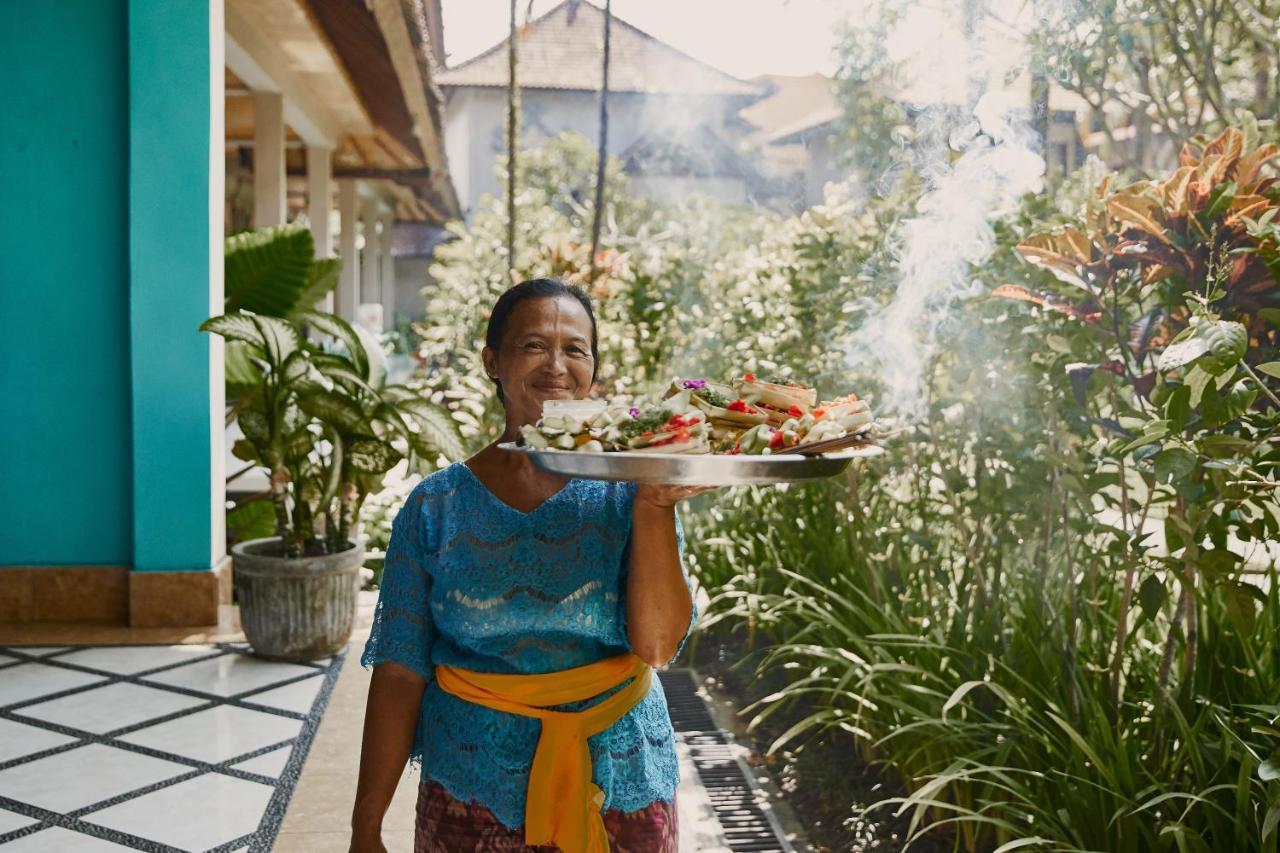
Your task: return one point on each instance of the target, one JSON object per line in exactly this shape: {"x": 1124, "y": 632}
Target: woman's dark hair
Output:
{"x": 538, "y": 288}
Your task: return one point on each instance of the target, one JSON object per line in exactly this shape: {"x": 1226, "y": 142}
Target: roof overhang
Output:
{"x": 355, "y": 77}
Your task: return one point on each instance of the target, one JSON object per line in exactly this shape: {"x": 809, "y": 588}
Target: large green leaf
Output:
{"x": 280, "y": 339}
{"x": 242, "y": 375}
{"x": 268, "y": 271}
{"x": 376, "y": 359}
{"x": 323, "y": 278}
{"x": 268, "y": 338}
{"x": 372, "y": 456}
{"x": 435, "y": 427}
{"x": 1218, "y": 345}
{"x": 252, "y": 520}
{"x": 335, "y": 409}
{"x": 341, "y": 331}
{"x": 237, "y": 327}
{"x": 255, "y": 426}
{"x": 1228, "y": 342}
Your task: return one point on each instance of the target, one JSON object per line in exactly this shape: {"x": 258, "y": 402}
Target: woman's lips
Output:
{"x": 550, "y": 386}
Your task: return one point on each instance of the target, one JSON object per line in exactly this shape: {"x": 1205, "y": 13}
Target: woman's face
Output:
{"x": 545, "y": 354}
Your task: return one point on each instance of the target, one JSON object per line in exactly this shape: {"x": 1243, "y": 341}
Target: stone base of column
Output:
{"x": 178, "y": 599}
{"x": 113, "y": 595}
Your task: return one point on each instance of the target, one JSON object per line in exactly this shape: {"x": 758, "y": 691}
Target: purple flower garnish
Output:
{"x": 634, "y": 412}
{"x": 694, "y": 384}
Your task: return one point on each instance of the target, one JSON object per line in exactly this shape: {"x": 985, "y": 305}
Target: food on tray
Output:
{"x": 750, "y": 416}
{"x": 718, "y": 402}
{"x": 573, "y": 425}
{"x": 662, "y": 430}
{"x": 849, "y": 412}
{"x": 779, "y": 400}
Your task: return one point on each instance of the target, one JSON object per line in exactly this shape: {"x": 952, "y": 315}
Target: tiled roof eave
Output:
{"x": 743, "y": 96}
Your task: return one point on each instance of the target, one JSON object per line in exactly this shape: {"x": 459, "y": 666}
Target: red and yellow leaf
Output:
{"x": 1139, "y": 211}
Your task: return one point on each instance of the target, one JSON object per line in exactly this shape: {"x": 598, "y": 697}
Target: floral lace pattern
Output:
{"x": 474, "y": 583}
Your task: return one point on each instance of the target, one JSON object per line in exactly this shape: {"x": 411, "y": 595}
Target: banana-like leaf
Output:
{"x": 323, "y": 278}
{"x": 341, "y": 331}
{"x": 267, "y": 271}
{"x": 372, "y": 456}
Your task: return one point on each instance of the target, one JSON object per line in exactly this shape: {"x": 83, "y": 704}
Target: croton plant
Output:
{"x": 1168, "y": 294}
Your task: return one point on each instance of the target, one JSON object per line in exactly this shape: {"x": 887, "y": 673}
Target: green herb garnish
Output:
{"x": 712, "y": 398}
{"x": 650, "y": 421}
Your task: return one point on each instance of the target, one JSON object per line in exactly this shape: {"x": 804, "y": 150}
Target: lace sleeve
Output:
{"x": 403, "y": 630}
{"x": 622, "y": 592}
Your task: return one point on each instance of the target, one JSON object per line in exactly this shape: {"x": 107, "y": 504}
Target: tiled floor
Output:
{"x": 159, "y": 748}
{"x": 197, "y": 746}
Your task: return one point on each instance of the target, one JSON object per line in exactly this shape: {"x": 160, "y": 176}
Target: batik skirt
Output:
{"x": 446, "y": 825}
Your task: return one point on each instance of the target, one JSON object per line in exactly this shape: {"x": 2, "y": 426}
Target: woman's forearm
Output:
{"x": 658, "y": 603}
{"x": 390, "y": 723}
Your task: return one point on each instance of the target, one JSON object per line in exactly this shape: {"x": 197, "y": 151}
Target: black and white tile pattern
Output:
{"x": 157, "y": 748}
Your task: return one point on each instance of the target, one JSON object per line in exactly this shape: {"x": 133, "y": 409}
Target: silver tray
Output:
{"x": 693, "y": 470}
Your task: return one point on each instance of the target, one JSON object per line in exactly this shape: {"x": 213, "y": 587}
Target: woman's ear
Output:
{"x": 490, "y": 363}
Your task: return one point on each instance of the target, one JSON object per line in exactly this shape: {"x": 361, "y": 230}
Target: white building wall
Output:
{"x": 476, "y": 120}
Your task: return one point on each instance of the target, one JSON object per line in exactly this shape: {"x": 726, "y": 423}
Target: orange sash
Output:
{"x": 562, "y": 805}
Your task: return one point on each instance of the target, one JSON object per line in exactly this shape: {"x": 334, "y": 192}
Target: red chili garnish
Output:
{"x": 817, "y": 413}
{"x": 742, "y": 406}
{"x": 750, "y": 377}
{"x": 646, "y": 434}
{"x": 681, "y": 435}
{"x": 795, "y": 411}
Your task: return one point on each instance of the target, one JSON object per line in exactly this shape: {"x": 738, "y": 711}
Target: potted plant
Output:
{"x": 323, "y": 421}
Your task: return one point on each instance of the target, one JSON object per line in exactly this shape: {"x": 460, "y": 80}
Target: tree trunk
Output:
{"x": 601, "y": 153}
{"x": 513, "y": 140}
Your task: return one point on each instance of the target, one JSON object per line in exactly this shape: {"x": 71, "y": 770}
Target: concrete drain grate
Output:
{"x": 732, "y": 793}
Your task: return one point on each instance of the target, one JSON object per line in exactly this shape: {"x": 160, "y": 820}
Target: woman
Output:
{"x": 508, "y": 589}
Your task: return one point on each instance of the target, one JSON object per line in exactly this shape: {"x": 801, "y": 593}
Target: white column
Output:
{"x": 319, "y": 204}
{"x": 369, "y": 290}
{"x": 268, "y": 159}
{"x": 388, "y": 274}
{"x": 348, "y": 293}
{"x": 320, "y": 197}
{"x": 369, "y": 256}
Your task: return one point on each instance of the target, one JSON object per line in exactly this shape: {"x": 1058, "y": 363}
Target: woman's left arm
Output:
{"x": 659, "y": 607}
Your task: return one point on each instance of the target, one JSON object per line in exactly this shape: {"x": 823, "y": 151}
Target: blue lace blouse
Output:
{"x": 472, "y": 582}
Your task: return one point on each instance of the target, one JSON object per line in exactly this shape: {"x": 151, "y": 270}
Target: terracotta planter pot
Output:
{"x": 295, "y": 609}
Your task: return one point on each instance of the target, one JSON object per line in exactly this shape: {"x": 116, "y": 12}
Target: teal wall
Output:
{"x": 104, "y": 279}
{"x": 66, "y": 467}
{"x": 169, "y": 231}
